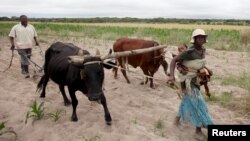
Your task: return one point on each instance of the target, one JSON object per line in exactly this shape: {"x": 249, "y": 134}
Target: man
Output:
{"x": 21, "y": 38}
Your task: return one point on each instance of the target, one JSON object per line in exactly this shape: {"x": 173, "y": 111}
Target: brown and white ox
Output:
{"x": 148, "y": 62}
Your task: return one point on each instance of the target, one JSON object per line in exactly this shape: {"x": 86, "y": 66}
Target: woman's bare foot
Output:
{"x": 199, "y": 135}
{"x": 177, "y": 121}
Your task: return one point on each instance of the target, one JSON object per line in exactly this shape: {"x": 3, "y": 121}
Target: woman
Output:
{"x": 193, "y": 108}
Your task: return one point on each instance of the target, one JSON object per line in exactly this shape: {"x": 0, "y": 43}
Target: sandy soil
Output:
{"x": 136, "y": 109}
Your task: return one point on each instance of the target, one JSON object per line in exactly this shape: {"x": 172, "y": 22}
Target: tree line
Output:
{"x": 135, "y": 20}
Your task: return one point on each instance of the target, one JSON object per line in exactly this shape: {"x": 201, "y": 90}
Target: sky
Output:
{"x": 188, "y": 9}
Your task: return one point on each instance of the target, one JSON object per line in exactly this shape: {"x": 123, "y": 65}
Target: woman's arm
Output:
{"x": 172, "y": 68}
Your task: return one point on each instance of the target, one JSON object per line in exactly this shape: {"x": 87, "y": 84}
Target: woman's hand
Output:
{"x": 171, "y": 79}
{"x": 12, "y": 47}
{"x": 183, "y": 70}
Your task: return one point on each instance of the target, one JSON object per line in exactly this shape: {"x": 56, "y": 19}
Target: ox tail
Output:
{"x": 40, "y": 84}
{"x": 47, "y": 58}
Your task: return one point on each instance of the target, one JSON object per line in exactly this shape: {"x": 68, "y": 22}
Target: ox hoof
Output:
{"x": 153, "y": 87}
{"x": 142, "y": 83}
{"x": 109, "y": 122}
{"x": 74, "y": 119}
{"x": 68, "y": 103}
{"x": 128, "y": 81}
{"x": 42, "y": 96}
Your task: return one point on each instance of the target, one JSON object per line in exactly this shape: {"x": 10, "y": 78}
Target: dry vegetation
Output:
{"x": 169, "y": 26}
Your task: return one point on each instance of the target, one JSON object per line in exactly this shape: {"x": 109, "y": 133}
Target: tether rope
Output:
{"x": 175, "y": 86}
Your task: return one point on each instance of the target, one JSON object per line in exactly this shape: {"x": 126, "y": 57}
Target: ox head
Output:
{"x": 92, "y": 72}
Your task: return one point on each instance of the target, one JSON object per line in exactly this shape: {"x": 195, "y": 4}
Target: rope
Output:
{"x": 173, "y": 86}
{"x": 133, "y": 72}
{"x": 34, "y": 65}
{"x": 41, "y": 52}
{"x": 12, "y": 56}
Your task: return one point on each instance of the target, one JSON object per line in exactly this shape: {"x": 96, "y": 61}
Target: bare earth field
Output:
{"x": 137, "y": 110}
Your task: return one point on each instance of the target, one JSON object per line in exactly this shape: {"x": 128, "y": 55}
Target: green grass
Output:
{"x": 242, "y": 81}
{"x": 4, "y": 131}
{"x": 37, "y": 111}
{"x": 224, "y": 99}
{"x": 55, "y": 116}
{"x": 221, "y": 39}
{"x": 94, "y": 138}
{"x": 240, "y": 105}
{"x": 159, "y": 127}
{"x": 228, "y": 100}
{"x": 134, "y": 121}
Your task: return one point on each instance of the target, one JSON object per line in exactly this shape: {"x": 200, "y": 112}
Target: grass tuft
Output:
{"x": 242, "y": 81}
{"x": 159, "y": 127}
{"x": 4, "y": 131}
{"x": 37, "y": 111}
{"x": 95, "y": 138}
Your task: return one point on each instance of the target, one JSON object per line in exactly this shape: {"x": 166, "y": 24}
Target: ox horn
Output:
{"x": 76, "y": 59}
{"x": 80, "y": 52}
{"x": 97, "y": 52}
{"x": 79, "y": 58}
{"x": 132, "y": 52}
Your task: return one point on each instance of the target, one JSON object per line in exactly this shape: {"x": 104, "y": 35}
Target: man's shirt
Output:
{"x": 24, "y": 36}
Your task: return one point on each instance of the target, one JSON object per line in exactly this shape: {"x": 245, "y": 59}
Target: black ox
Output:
{"x": 87, "y": 77}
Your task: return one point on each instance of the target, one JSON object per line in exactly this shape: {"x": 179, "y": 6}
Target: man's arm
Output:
{"x": 37, "y": 44}
{"x": 12, "y": 36}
